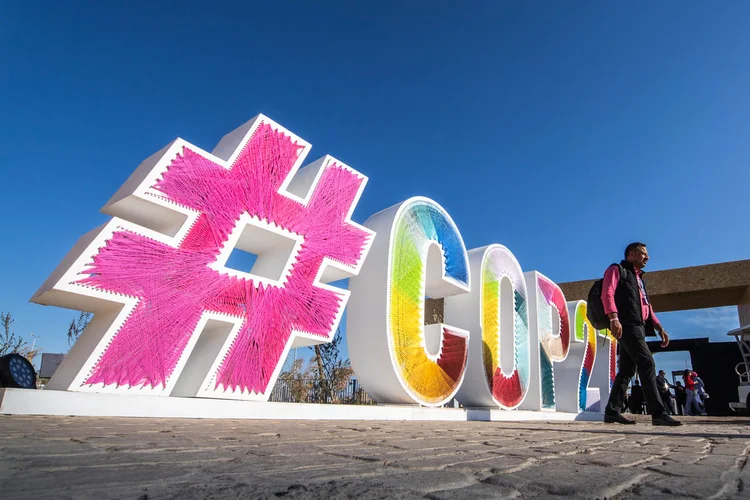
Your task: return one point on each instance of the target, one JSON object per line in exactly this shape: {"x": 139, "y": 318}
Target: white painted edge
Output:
{"x": 219, "y": 265}
{"x": 63, "y": 403}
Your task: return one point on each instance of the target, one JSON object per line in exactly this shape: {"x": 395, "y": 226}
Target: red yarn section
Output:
{"x": 507, "y": 390}
{"x": 612, "y": 360}
{"x": 454, "y": 354}
{"x": 175, "y": 285}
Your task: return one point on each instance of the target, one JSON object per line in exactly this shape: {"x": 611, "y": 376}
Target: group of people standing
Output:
{"x": 690, "y": 398}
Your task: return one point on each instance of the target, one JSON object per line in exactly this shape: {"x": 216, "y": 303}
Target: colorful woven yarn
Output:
{"x": 612, "y": 356}
{"x": 585, "y": 332}
{"x": 419, "y": 225}
{"x": 508, "y": 391}
{"x": 175, "y": 286}
{"x": 553, "y": 345}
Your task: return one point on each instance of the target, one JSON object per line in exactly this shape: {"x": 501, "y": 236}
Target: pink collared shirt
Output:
{"x": 611, "y": 279}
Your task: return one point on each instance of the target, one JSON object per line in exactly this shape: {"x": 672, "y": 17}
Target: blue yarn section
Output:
{"x": 548, "y": 380}
{"x": 582, "y": 385}
{"x": 426, "y": 216}
{"x": 436, "y": 227}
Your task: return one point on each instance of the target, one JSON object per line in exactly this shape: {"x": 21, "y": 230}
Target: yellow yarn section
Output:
{"x": 421, "y": 374}
{"x": 490, "y": 325}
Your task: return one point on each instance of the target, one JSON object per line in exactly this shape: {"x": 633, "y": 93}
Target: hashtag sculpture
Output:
{"x": 170, "y": 318}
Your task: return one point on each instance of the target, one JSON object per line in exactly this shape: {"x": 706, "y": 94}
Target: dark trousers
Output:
{"x": 680, "y": 405}
{"x": 666, "y": 398}
{"x": 635, "y": 356}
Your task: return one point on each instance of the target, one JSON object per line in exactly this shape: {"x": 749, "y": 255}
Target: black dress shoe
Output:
{"x": 617, "y": 418}
{"x": 665, "y": 420}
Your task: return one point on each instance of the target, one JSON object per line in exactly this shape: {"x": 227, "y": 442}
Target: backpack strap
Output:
{"x": 623, "y": 271}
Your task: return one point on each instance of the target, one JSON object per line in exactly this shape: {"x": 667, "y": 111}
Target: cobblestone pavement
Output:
{"x": 97, "y": 458}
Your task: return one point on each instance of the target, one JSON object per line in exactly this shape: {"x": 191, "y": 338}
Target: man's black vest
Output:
{"x": 628, "y": 297}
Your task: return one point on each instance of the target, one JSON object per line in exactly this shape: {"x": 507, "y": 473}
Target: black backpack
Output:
{"x": 595, "y": 308}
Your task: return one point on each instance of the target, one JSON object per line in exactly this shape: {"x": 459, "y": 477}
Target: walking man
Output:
{"x": 630, "y": 315}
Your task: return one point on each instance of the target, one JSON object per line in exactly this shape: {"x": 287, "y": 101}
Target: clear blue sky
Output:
{"x": 563, "y": 130}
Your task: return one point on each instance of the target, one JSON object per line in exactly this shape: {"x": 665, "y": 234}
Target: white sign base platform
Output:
{"x": 51, "y": 402}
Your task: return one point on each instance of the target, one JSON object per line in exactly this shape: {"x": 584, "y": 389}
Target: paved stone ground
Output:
{"x": 97, "y": 458}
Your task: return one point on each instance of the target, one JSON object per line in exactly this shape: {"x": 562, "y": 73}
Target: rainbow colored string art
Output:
{"x": 508, "y": 390}
{"x": 585, "y": 332}
{"x": 425, "y": 256}
{"x": 611, "y": 357}
{"x": 583, "y": 382}
{"x": 421, "y": 224}
{"x": 554, "y": 334}
{"x": 165, "y": 303}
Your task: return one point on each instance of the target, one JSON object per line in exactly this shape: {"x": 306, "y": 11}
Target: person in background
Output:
{"x": 692, "y": 403}
{"x": 680, "y": 396}
{"x": 663, "y": 385}
{"x": 636, "y": 398}
{"x": 700, "y": 392}
{"x": 626, "y": 302}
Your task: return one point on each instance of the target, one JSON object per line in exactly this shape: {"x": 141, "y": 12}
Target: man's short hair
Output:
{"x": 632, "y": 247}
{"x": 662, "y": 371}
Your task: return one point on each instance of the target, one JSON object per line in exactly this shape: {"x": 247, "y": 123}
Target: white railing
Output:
{"x": 742, "y": 371}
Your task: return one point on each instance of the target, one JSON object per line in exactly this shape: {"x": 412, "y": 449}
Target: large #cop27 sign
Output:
{"x": 171, "y": 319}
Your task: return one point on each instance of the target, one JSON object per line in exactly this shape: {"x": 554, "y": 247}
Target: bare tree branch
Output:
{"x": 9, "y": 341}
{"x": 77, "y": 326}
{"x": 332, "y": 373}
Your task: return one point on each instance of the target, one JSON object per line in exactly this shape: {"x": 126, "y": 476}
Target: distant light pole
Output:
{"x": 33, "y": 344}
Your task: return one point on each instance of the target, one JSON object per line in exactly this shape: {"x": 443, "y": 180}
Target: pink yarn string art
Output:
{"x": 176, "y": 286}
